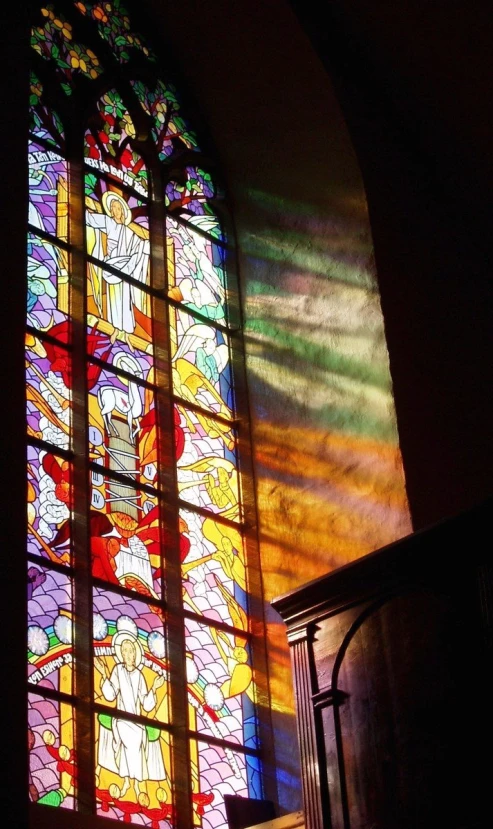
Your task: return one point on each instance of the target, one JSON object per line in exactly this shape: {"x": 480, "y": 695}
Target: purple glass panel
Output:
{"x": 47, "y": 284}
{"x": 49, "y": 633}
{"x": 52, "y": 766}
{"x": 216, "y": 771}
{"x": 48, "y": 191}
{"x": 220, "y": 666}
{"x": 48, "y": 384}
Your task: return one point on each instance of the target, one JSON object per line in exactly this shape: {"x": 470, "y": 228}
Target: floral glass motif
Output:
{"x": 44, "y": 121}
{"x": 54, "y": 42}
{"x": 113, "y": 25}
{"x": 170, "y": 131}
{"x": 188, "y": 192}
{"x": 107, "y": 143}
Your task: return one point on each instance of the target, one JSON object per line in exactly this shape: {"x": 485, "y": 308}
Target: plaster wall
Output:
{"x": 414, "y": 81}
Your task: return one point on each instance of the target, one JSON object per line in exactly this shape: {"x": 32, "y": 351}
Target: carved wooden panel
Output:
{"x": 391, "y": 660}
{"x": 309, "y": 739}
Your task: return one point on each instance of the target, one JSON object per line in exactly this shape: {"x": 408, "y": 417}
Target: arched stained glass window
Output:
{"x": 142, "y": 702}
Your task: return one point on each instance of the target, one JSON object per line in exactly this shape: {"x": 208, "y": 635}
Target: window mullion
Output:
{"x": 169, "y": 517}
{"x": 82, "y": 562}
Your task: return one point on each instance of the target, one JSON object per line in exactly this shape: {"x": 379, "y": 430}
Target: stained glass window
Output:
{"x": 139, "y": 619}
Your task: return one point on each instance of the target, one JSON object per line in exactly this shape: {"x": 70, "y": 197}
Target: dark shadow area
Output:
{"x": 242, "y": 812}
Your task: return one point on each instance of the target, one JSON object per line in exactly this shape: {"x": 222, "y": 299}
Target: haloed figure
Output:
{"x": 118, "y": 244}
{"x": 126, "y": 749}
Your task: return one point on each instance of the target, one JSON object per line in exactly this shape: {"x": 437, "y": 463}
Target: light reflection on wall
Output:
{"x": 330, "y": 483}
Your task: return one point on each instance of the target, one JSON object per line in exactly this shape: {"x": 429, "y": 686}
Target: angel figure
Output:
{"x": 222, "y": 490}
{"x": 209, "y": 357}
{"x": 192, "y": 260}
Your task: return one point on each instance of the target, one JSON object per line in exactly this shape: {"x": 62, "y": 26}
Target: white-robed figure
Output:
{"x": 121, "y": 246}
{"x": 126, "y": 749}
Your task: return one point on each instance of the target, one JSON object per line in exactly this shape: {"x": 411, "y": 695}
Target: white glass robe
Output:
{"x": 129, "y": 254}
{"x": 126, "y": 749}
